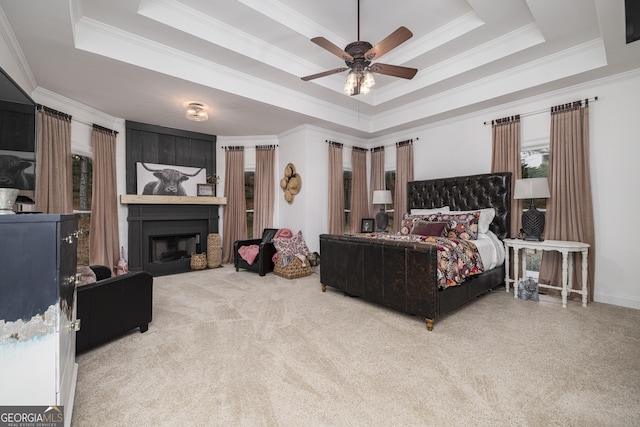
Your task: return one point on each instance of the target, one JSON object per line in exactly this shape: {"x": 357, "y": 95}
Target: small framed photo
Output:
{"x": 205, "y": 190}
{"x": 367, "y": 225}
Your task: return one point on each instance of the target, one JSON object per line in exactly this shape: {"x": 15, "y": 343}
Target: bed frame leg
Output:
{"x": 429, "y": 324}
{"x": 324, "y": 287}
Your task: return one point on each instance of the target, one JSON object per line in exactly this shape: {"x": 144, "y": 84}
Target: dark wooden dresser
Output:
{"x": 38, "y": 310}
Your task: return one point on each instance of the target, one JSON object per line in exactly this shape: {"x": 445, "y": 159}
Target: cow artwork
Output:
{"x": 169, "y": 181}
{"x": 13, "y": 174}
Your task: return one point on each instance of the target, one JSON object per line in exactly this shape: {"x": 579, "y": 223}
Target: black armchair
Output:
{"x": 263, "y": 263}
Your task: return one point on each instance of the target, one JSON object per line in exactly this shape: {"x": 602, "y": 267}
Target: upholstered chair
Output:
{"x": 263, "y": 262}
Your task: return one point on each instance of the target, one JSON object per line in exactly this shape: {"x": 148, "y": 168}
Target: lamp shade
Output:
{"x": 382, "y": 197}
{"x": 532, "y": 188}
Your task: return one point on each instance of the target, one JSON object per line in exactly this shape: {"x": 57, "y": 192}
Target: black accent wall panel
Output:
{"x": 158, "y": 144}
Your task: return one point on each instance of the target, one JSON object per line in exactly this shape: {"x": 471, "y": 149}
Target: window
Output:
{"x": 82, "y": 170}
{"x": 249, "y": 177}
{"x": 390, "y": 184}
{"x": 535, "y": 164}
{"x": 347, "y": 178}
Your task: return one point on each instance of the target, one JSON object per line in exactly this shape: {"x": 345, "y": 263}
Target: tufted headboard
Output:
{"x": 491, "y": 190}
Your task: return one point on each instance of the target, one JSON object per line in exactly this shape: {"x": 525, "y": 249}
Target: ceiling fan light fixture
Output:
{"x": 351, "y": 83}
{"x": 368, "y": 80}
{"x": 197, "y": 112}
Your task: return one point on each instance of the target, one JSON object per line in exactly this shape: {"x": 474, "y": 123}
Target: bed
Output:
{"x": 403, "y": 274}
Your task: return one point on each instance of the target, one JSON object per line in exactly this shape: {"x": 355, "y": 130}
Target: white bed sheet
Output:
{"x": 491, "y": 249}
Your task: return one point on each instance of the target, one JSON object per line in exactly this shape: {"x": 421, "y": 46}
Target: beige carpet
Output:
{"x": 237, "y": 349}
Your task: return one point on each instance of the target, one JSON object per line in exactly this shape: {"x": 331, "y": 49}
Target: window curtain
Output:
{"x": 359, "y": 203}
{"x": 336, "y": 189}
{"x": 404, "y": 174}
{"x": 506, "y": 157}
{"x": 264, "y": 189}
{"x": 235, "y": 223}
{"x": 376, "y": 181}
{"x": 104, "y": 237}
{"x": 570, "y": 208}
{"x": 54, "y": 190}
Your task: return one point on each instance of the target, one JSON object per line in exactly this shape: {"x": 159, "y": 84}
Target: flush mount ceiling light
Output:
{"x": 196, "y": 112}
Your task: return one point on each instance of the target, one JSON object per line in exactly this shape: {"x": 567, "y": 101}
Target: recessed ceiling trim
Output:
{"x": 513, "y": 42}
{"x": 105, "y": 40}
{"x": 193, "y": 22}
{"x": 436, "y": 38}
{"x": 579, "y": 59}
{"x": 293, "y": 20}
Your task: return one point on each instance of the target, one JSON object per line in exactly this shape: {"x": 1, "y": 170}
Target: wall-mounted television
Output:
{"x": 17, "y": 139}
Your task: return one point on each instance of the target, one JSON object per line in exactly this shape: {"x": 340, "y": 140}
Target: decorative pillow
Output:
{"x": 408, "y": 220}
{"x": 429, "y": 211}
{"x": 284, "y": 232}
{"x": 292, "y": 246}
{"x": 486, "y": 218}
{"x": 461, "y": 226}
{"x": 424, "y": 228}
{"x": 86, "y": 275}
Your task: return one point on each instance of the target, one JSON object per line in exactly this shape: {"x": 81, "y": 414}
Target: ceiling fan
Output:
{"x": 358, "y": 57}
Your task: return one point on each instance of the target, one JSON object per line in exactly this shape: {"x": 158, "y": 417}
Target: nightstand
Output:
{"x": 564, "y": 247}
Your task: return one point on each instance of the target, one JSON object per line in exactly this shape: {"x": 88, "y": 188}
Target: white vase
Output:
{"x": 8, "y": 197}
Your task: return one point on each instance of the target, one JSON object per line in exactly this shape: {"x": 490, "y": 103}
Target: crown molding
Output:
{"x": 16, "y": 52}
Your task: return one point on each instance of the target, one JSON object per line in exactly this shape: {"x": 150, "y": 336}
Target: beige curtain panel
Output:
{"x": 359, "y": 203}
{"x": 404, "y": 174}
{"x": 506, "y": 155}
{"x": 570, "y": 208}
{"x": 336, "y": 189}
{"x": 235, "y": 223}
{"x": 264, "y": 189}
{"x": 104, "y": 237}
{"x": 376, "y": 180}
{"x": 53, "y": 165}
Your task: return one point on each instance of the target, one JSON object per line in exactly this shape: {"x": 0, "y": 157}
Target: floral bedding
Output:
{"x": 457, "y": 258}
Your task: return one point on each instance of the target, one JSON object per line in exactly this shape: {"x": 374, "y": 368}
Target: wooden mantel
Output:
{"x": 137, "y": 199}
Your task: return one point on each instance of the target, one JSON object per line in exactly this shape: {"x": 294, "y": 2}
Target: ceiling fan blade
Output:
{"x": 393, "y": 40}
{"x": 324, "y": 73}
{"x": 326, "y": 44}
{"x": 394, "y": 70}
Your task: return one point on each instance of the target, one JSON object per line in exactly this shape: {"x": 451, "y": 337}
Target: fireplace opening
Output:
{"x": 173, "y": 247}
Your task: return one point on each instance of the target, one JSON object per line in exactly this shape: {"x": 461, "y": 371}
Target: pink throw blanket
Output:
{"x": 249, "y": 253}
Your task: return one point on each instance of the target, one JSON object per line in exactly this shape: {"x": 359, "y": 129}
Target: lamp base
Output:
{"x": 533, "y": 224}
{"x": 382, "y": 221}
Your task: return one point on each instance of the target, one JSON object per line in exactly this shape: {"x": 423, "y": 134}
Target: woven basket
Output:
{"x": 293, "y": 270}
{"x": 214, "y": 250}
{"x": 198, "y": 261}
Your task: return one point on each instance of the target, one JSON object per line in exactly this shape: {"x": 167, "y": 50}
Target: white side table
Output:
{"x": 564, "y": 247}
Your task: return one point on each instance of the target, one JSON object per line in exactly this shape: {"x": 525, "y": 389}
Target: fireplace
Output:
{"x": 163, "y": 237}
{"x": 173, "y": 247}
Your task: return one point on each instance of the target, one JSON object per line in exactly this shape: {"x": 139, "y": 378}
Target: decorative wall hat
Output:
{"x": 291, "y": 183}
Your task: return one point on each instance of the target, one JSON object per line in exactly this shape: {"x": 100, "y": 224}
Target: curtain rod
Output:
{"x": 104, "y": 129}
{"x": 248, "y": 147}
{"x": 50, "y": 110}
{"x": 532, "y": 113}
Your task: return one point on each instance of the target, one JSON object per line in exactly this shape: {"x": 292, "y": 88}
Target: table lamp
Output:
{"x": 532, "y": 219}
{"x": 382, "y": 198}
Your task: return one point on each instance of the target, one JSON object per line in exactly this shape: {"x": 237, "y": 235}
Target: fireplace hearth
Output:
{"x": 163, "y": 237}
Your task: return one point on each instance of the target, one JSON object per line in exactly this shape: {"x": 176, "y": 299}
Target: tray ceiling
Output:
{"x": 145, "y": 60}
